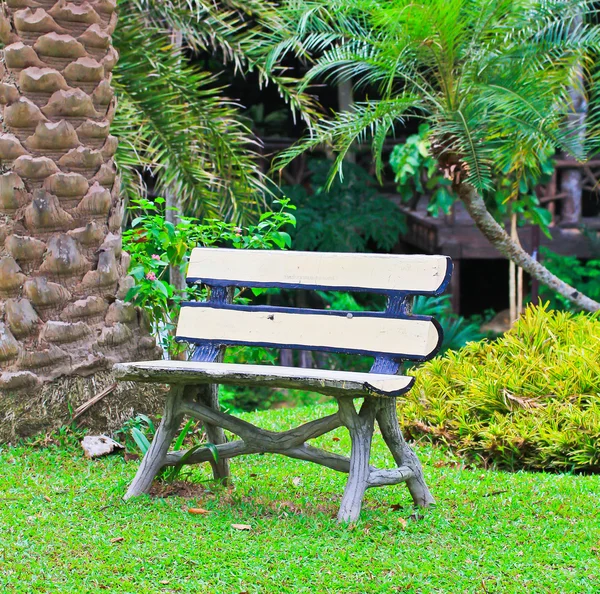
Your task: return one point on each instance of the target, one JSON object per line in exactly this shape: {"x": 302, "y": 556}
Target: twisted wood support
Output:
{"x": 404, "y": 456}
{"x": 261, "y": 438}
{"x": 155, "y": 456}
{"x": 377, "y": 477}
{"x": 209, "y": 396}
{"x": 292, "y": 443}
{"x": 360, "y": 426}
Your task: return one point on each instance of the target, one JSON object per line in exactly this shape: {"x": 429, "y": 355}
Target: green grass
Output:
{"x": 491, "y": 532}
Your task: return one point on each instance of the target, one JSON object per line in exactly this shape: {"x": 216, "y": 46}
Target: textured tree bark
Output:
{"x": 572, "y": 179}
{"x": 62, "y": 268}
{"x": 173, "y": 202}
{"x": 498, "y": 237}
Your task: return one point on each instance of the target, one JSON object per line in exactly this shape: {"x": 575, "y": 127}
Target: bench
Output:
{"x": 389, "y": 337}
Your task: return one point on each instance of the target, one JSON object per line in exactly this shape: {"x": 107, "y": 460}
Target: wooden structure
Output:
{"x": 390, "y": 337}
{"x": 457, "y": 236}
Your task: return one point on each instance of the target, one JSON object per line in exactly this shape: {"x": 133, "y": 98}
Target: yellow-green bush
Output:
{"x": 531, "y": 399}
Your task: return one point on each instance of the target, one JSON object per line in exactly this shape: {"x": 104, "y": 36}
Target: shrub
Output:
{"x": 529, "y": 400}
{"x": 154, "y": 243}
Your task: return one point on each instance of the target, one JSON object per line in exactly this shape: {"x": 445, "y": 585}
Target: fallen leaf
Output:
{"x": 402, "y": 522}
{"x": 242, "y": 526}
{"x": 198, "y": 511}
{"x": 335, "y": 439}
{"x": 117, "y": 539}
{"x": 253, "y": 475}
{"x": 47, "y": 498}
{"x": 396, "y": 507}
{"x": 297, "y": 481}
{"x": 165, "y": 582}
{"x": 131, "y": 456}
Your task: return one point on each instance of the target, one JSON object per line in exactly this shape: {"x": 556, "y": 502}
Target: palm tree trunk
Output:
{"x": 498, "y": 237}
{"x": 62, "y": 268}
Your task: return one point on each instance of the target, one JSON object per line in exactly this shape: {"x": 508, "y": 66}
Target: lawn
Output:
{"x": 64, "y": 528}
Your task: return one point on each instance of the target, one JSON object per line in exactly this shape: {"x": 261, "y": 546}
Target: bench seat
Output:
{"x": 323, "y": 381}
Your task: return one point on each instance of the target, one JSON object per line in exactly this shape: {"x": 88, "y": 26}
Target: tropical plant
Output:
{"x": 530, "y": 399}
{"x": 62, "y": 268}
{"x": 138, "y": 432}
{"x": 417, "y": 173}
{"x": 174, "y": 120}
{"x": 492, "y": 78}
{"x": 155, "y": 244}
{"x": 345, "y": 216}
{"x": 584, "y": 277}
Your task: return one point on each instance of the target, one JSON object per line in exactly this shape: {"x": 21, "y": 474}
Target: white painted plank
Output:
{"x": 320, "y": 331}
{"x": 377, "y": 272}
{"x": 323, "y": 381}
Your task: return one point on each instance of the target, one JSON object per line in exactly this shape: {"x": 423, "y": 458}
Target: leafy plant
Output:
{"x": 417, "y": 173}
{"x": 155, "y": 243}
{"x": 531, "y": 399}
{"x": 583, "y": 276}
{"x": 174, "y": 119}
{"x": 345, "y": 216}
{"x": 136, "y": 433}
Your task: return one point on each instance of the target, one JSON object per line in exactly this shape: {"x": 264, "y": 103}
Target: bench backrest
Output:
{"x": 389, "y": 336}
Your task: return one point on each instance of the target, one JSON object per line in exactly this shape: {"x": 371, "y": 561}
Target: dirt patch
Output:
{"x": 25, "y": 413}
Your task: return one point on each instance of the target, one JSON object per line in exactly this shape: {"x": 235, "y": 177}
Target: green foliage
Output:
{"x": 417, "y": 173}
{"x": 155, "y": 244}
{"x": 136, "y": 433}
{"x": 506, "y": 533}
{"x": 344, "y": 216}
{"x": 175, "y": 121}
{"x": 529, "y": 400}
{"x": 584, "y": 277}
{"x": 490, "y": 77}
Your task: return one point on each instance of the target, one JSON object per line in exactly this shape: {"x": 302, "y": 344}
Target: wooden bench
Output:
{"x": 390, "y": 337}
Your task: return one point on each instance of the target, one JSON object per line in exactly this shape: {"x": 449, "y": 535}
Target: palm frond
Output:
{"x": 174, "y": 121}
{"x": 367, "y": 120}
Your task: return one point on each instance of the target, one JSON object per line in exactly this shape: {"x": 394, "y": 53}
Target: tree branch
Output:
{"x": 498, "y": 237}
{"x": 261, "y": 438}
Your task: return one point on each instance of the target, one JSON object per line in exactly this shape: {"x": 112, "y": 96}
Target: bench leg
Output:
{"x": 209, "y": 396}
{"x": 360, "y": 425}
{"x": 155, "y": 456}
{"x": 403, "y": 454}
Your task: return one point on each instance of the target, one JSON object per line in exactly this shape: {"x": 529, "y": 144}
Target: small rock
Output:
{"x": 95, "y": 446}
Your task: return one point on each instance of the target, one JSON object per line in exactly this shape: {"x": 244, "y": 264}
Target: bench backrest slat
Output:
{"x": 369, "y": 333}
{"x": 377, "y": 273}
